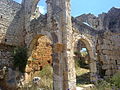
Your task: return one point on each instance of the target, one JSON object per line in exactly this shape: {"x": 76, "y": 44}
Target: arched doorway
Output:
{"x": 85, "y": 62}
{"x": 82, "y": 60}
{"x": 40, "y": 62}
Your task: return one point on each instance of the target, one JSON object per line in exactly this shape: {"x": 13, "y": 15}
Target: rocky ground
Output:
{"x": 83, "y": 79}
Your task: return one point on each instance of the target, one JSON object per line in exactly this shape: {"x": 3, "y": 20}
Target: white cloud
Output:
{"x": 42, "y": 9}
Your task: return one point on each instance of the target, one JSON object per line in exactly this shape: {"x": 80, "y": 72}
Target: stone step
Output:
{"x": 86, "y": 87}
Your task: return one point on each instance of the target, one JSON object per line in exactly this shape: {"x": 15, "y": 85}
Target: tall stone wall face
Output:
{"x": 108, "y": 47}
{"x": 11, "y": 34}
{"x": 11, "y": 23}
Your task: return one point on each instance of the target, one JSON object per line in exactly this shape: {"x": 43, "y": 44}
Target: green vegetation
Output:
{"x": 115, "y": 80}
{"x": 80, "y": 59}
{"x": 82, "y": 70}
{"x": 46, "y": 75}
{"x": 46, "y": 82}
{"x": 82, "y": 76}
{"x": 103, "y": 85}
{"x": 20, "y": 58}
{"x": 112, "y": 83}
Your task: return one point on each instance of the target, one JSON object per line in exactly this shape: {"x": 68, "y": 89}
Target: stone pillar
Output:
{"x": 49, "y": 13}
{"x": 93, "y": 71}
{"x": 69, "y": 67}
{"x": 93, "y": 65}
{"x": 63, "y": 63}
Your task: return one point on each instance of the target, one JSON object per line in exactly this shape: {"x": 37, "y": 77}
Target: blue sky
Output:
{"x": 79, "y": 7}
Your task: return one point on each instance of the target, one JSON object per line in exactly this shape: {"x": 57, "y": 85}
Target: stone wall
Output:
{"x": 105, "y": 38}
{"x": 40, "y": 55}
{"x": 11, "y": 24}
{"x": 6, "y": 56}
{"x": 108, "y": 48}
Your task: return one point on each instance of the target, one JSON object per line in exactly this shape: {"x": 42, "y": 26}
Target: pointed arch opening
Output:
{"x": 84, "y": 63}
{"x": 39, "y": 63}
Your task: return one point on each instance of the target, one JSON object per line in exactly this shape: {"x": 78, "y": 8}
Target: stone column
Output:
{"x": 93, "y": 66}
{"x": 63, "y": 63}
{"x": 69, "y": 67}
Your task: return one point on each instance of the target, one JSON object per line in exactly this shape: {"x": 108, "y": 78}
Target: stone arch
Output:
{"x": 91, "y": 51}
{"x": 53, "y": 39}
{"x": 39, "y": 54}
{"x": 34, "y": 40}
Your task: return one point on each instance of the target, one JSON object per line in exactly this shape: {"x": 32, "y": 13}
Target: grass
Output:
{"x": 82, "y": 71}
{"x": 46, "y": 75}
{"x": 46, "y": 82}
{"x": 112, "y": 83}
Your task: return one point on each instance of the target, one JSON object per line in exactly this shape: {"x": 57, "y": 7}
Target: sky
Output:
{"x": 79, "y": 7}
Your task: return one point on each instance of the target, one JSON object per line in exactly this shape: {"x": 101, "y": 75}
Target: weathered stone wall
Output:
{"x": 108, "y": 48}
{"x": 6, "y": 58}
{"x": 105, "y": 21}
{"x": 11, "y": 34}
{"x": 105, "y": 40}
{"x": 88, "y": 35}
{"x": 40, "y": 55}
{"x": 90, "y": 20}
{"x": 11, "y": 24}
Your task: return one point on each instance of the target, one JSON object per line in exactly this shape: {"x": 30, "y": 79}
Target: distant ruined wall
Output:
{"x": 108, "y": 48}
{"x": 106, "y": 37}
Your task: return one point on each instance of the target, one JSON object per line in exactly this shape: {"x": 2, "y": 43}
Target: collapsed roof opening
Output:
{"x": 41, "y": 9}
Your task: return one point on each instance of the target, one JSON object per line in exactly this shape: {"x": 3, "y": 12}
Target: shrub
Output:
{"x": 102, "y": 85}
{"x": 112, "y": 83}
{"x": 20, "y": 58}
{"x": 46, "y": 82}
{"x": 115, "y": 80}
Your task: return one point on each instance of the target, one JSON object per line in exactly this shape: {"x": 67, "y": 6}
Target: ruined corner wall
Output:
{"x": 11, "y": 30}
{"x": 108, "y": 47}
{"x": 11, "y": 23}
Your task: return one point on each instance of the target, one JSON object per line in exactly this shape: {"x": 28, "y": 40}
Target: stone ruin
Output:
{"x": 60, "y": 36}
